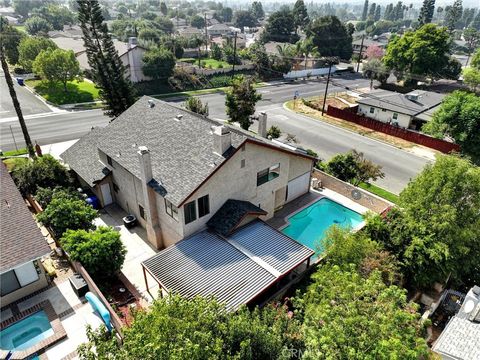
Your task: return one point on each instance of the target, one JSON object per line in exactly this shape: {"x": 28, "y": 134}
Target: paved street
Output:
{"x": 325, "y": 139}
{"x": 29, "y": 103}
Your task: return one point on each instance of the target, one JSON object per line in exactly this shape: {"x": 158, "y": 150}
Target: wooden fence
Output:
{"x": 417, "y": 138}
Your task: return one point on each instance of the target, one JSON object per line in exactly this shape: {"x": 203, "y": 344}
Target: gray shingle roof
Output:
{"x": 231, "y": 214}
{"x": 21, "y": 240}
{"x": 401, "y": 103}
{"x": 206, "y": 264}
{"x": 83, "y": 157}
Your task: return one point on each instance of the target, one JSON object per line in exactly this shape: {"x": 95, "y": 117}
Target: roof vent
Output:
{"x": 151, "y": 104}
{"x": 179, "y": 117}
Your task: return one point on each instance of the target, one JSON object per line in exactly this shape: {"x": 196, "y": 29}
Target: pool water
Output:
{"x": 310, "y": 225}
{"x": 26, "y": 333}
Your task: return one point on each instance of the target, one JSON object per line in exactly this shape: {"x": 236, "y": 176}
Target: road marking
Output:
{"x": 42, "y": 115}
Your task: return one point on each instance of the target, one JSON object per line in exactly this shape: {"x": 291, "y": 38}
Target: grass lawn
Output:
{"x": 11, "y": 163}
{"x": 15, "y": 152}
{"x": 207, "y": 63}
{"x": 78, "y": 91}
{"x": 380, "y": 192}
{"x": 21, "y": 28}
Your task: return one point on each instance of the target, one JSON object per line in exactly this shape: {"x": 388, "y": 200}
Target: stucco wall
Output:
{"x": 384, "y": 116}
{"x": 133, "y": 63}
{"x": 26, "y": 290}
{"x": 233, "y": 182}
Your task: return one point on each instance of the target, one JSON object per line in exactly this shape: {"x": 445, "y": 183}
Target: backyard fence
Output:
{"x": 360, "y": 196}
{"x": 417, "y": 138}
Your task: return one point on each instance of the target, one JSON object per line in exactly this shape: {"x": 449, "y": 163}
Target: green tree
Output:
{"x": 163, "y": 8}
{"x": 365, "y": 10}
{"x": 244, "y": 18}
{"x": 453, "y": 16}
{"x": 280, "y": 27}
{"x": 67, "y": 214}
{"x": 202, "y": 329}
{"x": 375, "y": 70}
{"x": 10, "y": 39}
{"x": 163, "y": 24}
{"x": 471, "y": 77}
{"x": 147, "y": 36}
{"x": 100, "y": 251}
{"x": 331, "y": 37}
{"x": 197, "y": 21}
{"x": 371, "y": 11}
{"x": 57, "y": 16}
{"x": 256, "y": 9}
{"x": 29, "y": 49}
{"x": 226, "y": 14}
{"x": 240, "y": 101}
{"x": 300, "y": 14}
{"x": 216, "y": 51}
{"x": 158, "y": 63}
{"x": 475, "y": 63}
{"x": 24, "y": 7}
{"x": 45, "y": 195}
{"x": 195, "y": 105}
{"x": 426, "y": 12}
{"x": 44, "y": 171}
{"x": 424, "y": 52}
{"x": 274, "y": 132}
{"x": 261, "y": 60}
{"x": 458, "y": 117}
{"x": 107, "y": 70}
{"x": 57, "y": 66}
{"x": 347, "y": 316}
{"x": 37, "y": 26}
{"x": 472, "y": 38}
{"x": 353, "y": 167}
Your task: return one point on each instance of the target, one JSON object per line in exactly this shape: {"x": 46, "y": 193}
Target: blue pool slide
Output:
{"x": 101, "y": 310}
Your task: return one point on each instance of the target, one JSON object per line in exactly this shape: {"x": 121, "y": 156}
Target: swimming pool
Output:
{"x": 309, "y": 225}
{"x": 26, "y": 333}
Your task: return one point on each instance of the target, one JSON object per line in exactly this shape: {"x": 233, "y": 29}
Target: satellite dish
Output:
{"x": 469, "y": 306}
{"x": 357, "y": 195}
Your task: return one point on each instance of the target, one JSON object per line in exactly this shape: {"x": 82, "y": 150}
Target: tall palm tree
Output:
{"x": 13, "y": 94}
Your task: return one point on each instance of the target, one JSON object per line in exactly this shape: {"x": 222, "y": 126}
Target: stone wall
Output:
{"x": 367, "y": 199}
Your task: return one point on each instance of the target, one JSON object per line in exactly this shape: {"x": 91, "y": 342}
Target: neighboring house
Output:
{"x": 69, "y": 31}
{"x": 190, "y": 32}
{"x": 174, "y": 169}
{"x": 179, "y": 22}
{"x": 11, "y": 20}
{"x": 357, "y": 45}
{"x": 409, "y": 110}
{"x": 218, "y": 29}
{"x": 131, "y": 54}
{"x": 22, "y": 245}
{"x": 460, "y": 340}
{"x": 229, "y": 39}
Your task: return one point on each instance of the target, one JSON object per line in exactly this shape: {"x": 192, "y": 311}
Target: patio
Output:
{"x": 138, "y": 250}
{"x": 68, "y": 315}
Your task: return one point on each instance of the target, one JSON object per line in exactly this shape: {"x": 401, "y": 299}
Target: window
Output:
{"x": 109, "y": 161}
{"x": 384, "y": 110}
{"x": 171, "y": 210}
{"x": 9, "y": 282}
{"x": 190, "y": 212}
{"x": 142, "y": 212}
{"x": 242, "y": 163}
{"x": 203, "y": 206}
{"x": 268, "y": 174}
{"x": 115, "y": 187}
{"x": 395, "y": 116}
{"x": 372, "y": 110}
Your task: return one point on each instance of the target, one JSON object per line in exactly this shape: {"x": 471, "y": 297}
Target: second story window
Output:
{"x": 372, "y": 110}
{"x": 171, "y": 210}
{"x": 268, "y": 174}
{"x": 395, "y": 116}
{"x": 190, "y": 212}
{"x": 203, "y": 206}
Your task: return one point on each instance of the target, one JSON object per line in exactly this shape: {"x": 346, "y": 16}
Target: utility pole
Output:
{"x": 326, "y": 87}
{"x": 206, "y": 34}
{"x": 234, "y": 53}
{"x": 360, "y": 55}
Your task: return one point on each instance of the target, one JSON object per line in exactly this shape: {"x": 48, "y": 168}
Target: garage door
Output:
{"x": 298, "y": 186}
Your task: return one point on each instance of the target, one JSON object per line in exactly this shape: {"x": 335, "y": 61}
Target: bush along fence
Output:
{"x": 417, "y": 138}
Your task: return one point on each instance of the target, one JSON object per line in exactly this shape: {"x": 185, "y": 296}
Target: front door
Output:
{"x": 106, "y": 194}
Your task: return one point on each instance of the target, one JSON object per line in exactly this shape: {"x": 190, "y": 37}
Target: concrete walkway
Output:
{"x": 138, "y": 249}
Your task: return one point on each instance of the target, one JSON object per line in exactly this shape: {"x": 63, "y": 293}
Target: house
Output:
{"x": 357, "y": 44}
{"x": 190, "y": 32}
{"x": 460, "y": 340}
{"x": 131, "y": 54}
{"x": 409, "y": 110}
{"x": 69, "y": 31}
{"x": 218, "y": 30}
{"x": 22, "y": 245}
{"x": 174, "y": 169}
{"x": 229, "y": 39}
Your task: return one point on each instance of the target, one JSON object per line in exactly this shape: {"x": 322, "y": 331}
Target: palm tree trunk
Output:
{"x": 16, "y": 105}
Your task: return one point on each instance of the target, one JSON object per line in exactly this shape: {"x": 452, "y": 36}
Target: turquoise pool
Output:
{"x": 309, "y": 225}
{"x": 26, "y": 333}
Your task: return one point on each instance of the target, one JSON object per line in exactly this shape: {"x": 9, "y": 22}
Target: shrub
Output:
{"x": 274, "y": 132}
{"x": 195, "y": 105}
{"x": 67, "y": 214}
{"x": 45, "y": 195}
{"x": 100, "y": 251}
{"x": 43, "y": 171}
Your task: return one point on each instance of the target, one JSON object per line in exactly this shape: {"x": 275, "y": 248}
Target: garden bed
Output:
{"x": 121, "y": 299}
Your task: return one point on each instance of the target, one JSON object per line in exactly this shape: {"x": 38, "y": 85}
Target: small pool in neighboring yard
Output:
{"x": 26, "y": 333}
{"x": 309, "y": 225}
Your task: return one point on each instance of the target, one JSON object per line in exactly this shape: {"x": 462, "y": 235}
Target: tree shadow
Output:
{"x": 55, "y": 93}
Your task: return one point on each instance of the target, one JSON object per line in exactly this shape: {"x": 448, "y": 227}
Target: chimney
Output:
{"x": 262, "y": 124}
{"x": 222, "y": 139}
{"x": 132, "y": 63}
{"x": 145, "y": 163}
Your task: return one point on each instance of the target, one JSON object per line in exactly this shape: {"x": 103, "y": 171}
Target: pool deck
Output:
{"x": 279, "y": 220}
